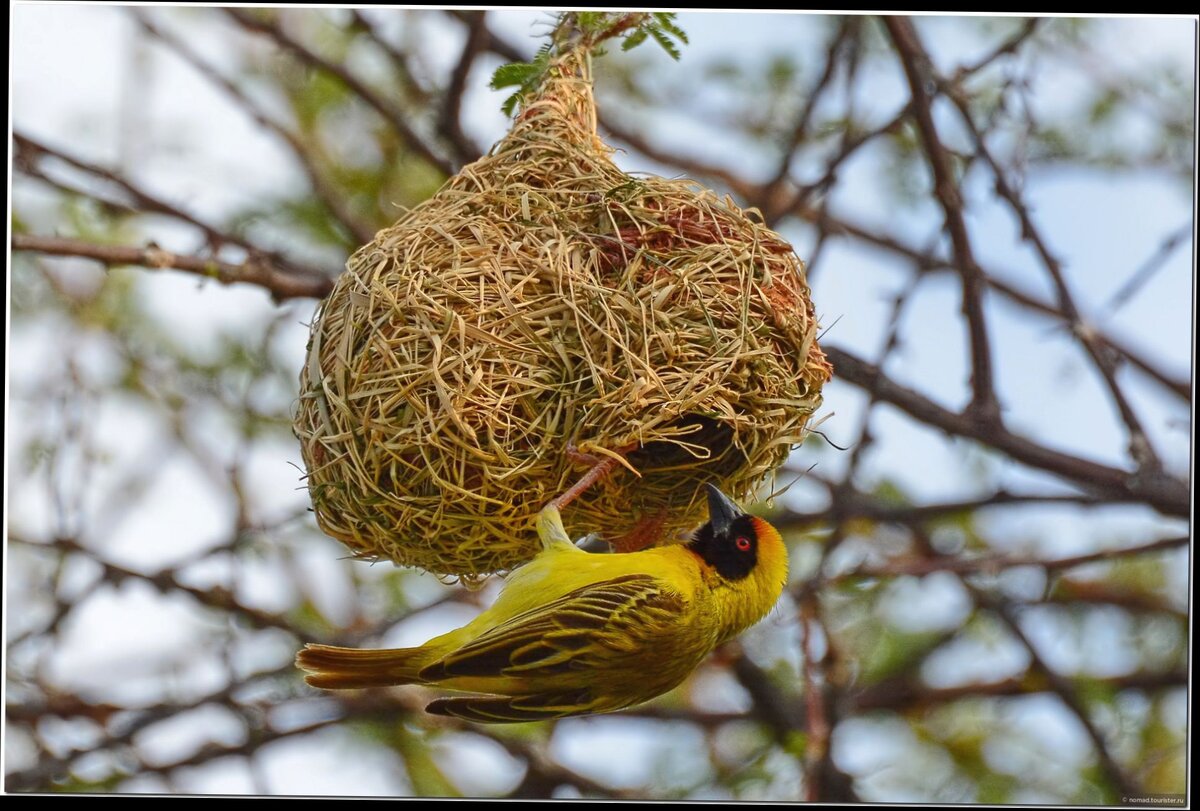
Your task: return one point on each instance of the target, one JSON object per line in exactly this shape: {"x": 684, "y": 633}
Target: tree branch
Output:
{"x": 928, "y": 262}
{"x": 254, "y": 271}
{"x": 908, "y": 693}
{"x": 1161, "y": 491}
{"x": 448, "y": 118}
{"x": 1140, "y": 448}
{"x": 331, "y": 197}
{"x": 29, "y": 151}
{"x": 314, "y": 60}
{"x": 919, "y": 70}
{"x": 856, "y": 504}
{"x": 996, "y": 563}
{"x": 1151, "y": 266}
{"x": 1066, "y": 693}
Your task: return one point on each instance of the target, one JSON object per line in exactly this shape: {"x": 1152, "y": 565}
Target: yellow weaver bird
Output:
{"x": 576, "y": 633}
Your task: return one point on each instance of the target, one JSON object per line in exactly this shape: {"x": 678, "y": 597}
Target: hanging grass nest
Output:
{"x": 544, "y": 305}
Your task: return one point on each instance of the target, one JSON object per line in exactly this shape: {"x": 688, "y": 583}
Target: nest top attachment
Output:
{"x": 541, "y": 305}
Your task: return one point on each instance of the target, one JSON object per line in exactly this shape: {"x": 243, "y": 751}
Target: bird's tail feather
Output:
{"x": 349, "y": 668}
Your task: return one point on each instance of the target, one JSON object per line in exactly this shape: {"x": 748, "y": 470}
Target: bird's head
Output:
{"x": 744, "y": 551}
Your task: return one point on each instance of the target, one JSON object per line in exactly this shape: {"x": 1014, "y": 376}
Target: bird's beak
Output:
{"x": 722, "y": 512}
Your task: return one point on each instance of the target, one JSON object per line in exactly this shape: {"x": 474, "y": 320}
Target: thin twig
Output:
{"x": 847, "y": 29}
{"x": 1065, "y": 691}
{"x": 929, "y": 262}
{"x": 775, "y": 205}
{"x": 416, "y": 94}
{"x": 860, "y": 505}
{"x": 909, "y": 693}
{"x": 167, "y": 581}
{"x": 996, "y": 563}
{"x": 1150, "y": 267}
{"x": 1005, "y": 48}
{"x": 817, "y": 724}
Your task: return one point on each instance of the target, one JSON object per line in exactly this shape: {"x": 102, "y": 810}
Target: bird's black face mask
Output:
{"x": 729, "y": 541}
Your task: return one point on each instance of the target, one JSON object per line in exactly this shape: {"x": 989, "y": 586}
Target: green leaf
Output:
{"x": 666, "y": 21}
{"x": 666, "y": 43}
{"x": 633, "y": 40}
{"x": 590, "y": 22}
{"x": 514, "y": 74}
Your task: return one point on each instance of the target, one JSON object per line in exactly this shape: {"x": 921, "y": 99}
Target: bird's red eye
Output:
{"x": 742, "y": 543}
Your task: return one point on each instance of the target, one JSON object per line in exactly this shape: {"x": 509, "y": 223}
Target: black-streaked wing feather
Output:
{"x": 575, "y": 632}
{"x": 514, "y": 709}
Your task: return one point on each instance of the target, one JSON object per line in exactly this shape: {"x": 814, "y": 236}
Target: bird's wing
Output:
{"x": 574, "y": 632}
{"x": 513, "y": 709}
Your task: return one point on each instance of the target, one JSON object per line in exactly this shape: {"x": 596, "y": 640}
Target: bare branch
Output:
{"x": 29, "y": 151}
{"x": 692, "y": 167}
{"x": 996, "y": 563}
{"x": 847, "y": 30}
{"x": 1066, "y": 693}
{"x": 1161, "y": 491}
{"x": 855, "y": 504}
{"x": 372, "y": 99}
{"x": 1151, "y": 266}
{"x": 818, "y": 725}
{"x": 326, "y": 192}
{"x": 398, "y": 60}
{"x": 254, "y": 271}
{"x": 776, "y": 203}
{"x": 448, "y": 119}
{"x": 919, "y": 70}
{"x": 908, "y": 693}
{"x": 493, "y": 42}
{"x": 928, "y": 262}
{"x": 1140, "y": 448}
{"x": 1005, "y": 48}
{"x": 167, "y": 582}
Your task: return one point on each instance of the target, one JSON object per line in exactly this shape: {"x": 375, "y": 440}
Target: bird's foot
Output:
{"x": 578, "y": 457}
{"x": 601, "y": 466}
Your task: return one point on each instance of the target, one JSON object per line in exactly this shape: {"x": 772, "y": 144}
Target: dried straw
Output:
{"x": 544, "y": 300}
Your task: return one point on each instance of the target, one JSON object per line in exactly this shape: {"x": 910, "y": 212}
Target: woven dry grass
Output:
{"x": 544, "y": 298}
